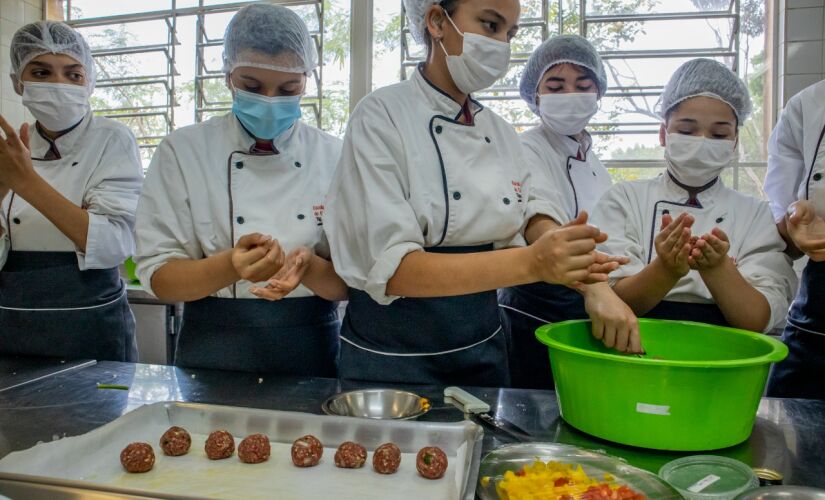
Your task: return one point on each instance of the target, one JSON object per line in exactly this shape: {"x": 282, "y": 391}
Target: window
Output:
{"x": 159, "y": 62}
{"x": 642, "y": 42}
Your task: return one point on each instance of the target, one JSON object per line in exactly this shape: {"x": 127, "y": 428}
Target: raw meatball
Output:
{"x": 307, "y": 451}
{"x": 350, "y": 456}
{"x": 386, "y": 458}
{"x": 137, "y": 457}
{"x": 176, "y": 441}
{"x": 219, "y": 444}
{"x": 254, "y": 449}
{"x": 431, "y": 462}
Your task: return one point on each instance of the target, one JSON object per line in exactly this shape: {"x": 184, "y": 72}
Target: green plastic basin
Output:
{"x": 697, "y": 387}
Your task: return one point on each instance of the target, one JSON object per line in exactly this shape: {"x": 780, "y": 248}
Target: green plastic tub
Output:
{"x": 697, "y": 387}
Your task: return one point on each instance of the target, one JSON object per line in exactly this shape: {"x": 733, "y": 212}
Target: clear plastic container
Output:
{"x": 704, "y": 477}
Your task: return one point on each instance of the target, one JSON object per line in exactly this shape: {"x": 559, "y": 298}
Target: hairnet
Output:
{"x": 270, "y": 37}
{"x": 416, "y": 10}
{"x": 560, "y": 49}
{"x": 50, "y": 37}
{"x": 709, "y": 78}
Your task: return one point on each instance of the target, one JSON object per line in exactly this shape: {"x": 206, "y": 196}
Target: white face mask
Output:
{"x": 481, "y": 63}
{"x": 57, "y": 106}
{"x": 568, "y": 114}
{"x": 695, "y": 161}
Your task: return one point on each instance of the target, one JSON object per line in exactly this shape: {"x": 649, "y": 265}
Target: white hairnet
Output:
{"x": 560, "y": 49}
{"x": 270, "y": 37}
{"x": 709, "y": 78}
{"x": 50, "y": 37}
{"x": 416, "y": 9}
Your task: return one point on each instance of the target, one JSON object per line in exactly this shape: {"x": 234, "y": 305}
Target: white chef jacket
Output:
{"x": 99, "y": 170}
{"x": 631, "y": 213}
{"x": 796, "y": 153}
{"x": 412, "y": 176}
{"x": 559, "y": 175}
{"x": 204, "y": 190}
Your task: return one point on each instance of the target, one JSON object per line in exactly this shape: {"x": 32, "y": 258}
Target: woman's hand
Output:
{"x": 16, "y": 168}
{"x": 257, "y": 257}
{"x": 673, "y": 244}
{"x": 613, "y": 321}
{"x": 806, "y": 229}
{"x": 288, "y": 277}
{"x": 709, "y": 251}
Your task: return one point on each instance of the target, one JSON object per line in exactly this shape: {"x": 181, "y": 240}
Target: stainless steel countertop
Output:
{"x": 789, "y": 435}
{"x": 19, "y": 370}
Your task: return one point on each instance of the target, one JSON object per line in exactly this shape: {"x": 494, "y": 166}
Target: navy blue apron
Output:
{"x": 688, "y": 311}
{"x": 802, "y": 373}
{"x": 49, "y": 307}
{"x": 524, "y": 309}
{"x": 435, "y": 341}
{"x": 293, "y": 336}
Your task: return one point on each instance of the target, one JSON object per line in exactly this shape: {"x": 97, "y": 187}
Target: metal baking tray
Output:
{"x": 92, "y": 460}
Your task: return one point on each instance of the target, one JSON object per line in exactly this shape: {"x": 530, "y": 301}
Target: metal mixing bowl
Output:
{"x": 390, "y": 404}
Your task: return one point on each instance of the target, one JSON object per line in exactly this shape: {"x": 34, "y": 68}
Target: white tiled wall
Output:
{"x": 13, "y": 15}
{"x": 801, "y": 46}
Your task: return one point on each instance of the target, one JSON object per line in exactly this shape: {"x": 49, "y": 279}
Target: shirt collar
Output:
{"x": 438, "y": 100}
{"x": 675, "y": 192}
{"x": 39, "y": 144}
{"x": 567, "y": 144}
{"x": 245, "y": 141}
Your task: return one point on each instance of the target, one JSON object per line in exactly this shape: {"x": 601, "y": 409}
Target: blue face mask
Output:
{"x": 266, "y": 117}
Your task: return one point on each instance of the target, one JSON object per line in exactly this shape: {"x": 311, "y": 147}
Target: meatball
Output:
{"x": 219, "y": 445}
{"x": 254, "y": 449}
{"x": 137, "y": 457}
{"x": 386, "y": 458}
{"x": 431, "y": 462}
{"x": 175, "y": 441}
{"x": 307, "y": 451}
{"x": 350, "y": 456}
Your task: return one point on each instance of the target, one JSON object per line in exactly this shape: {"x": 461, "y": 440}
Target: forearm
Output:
{"x": 730, "y": 290}
{"x": 69, "y": 218}
{"x": 538, "y": 225}
{"x": 187, "y": 280}
{"x": 644, "y": 290}
{"x": 423, "y": 274}
{"x": 321, "y": 278}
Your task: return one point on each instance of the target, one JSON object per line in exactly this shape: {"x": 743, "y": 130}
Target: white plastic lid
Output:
{"x": 709, "y": 477}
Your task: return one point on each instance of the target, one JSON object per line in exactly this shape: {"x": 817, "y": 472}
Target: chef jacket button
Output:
{"x": 298, "y": 164}
{"x": 817, "y": 176}
{"x": 239, "y": 165}
{"x": 456, "y": 195}
{"x": 719, "y": 220}
{"x": 16, "y": 220}
{"x": 300, "y": 216}
{"x": 594, "y": 173}
{"x": 240, "y": 220}
{"x": 665, "y": 212}
{"x": 488, "y": 140}
{"x": 506, "y": 201}
{"x": 438, "y": 129}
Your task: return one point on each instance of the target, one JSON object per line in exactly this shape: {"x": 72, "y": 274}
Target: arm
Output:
{"x": 730, "y": 290}
{"x": 4, "y": 237}
{"x": 18, "y": 174}
{"x": 185, "y": 280}
{"x": 304, "y": 267}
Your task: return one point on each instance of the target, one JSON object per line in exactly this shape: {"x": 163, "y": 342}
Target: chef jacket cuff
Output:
{"x": 384, "y": 269}
{"x": 98, "y": 255}
{"x": 545, "y": 207}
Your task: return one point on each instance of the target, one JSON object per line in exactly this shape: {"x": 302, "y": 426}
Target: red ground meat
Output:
{"x": 254, "y": 449}
{"x": 386, "y": 458}
{"x": 175, "y": 441}
{"x": 137, "y": 457}
{"x": 350, "y": 456}
{"x": 307, "y": 451}
{"x": 431, "y": 462}
{"x": 219, "y": 444}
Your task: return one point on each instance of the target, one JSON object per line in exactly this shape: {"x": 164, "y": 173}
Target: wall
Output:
{"x": 801, "y": 36}
{"x": 13, "y": 15}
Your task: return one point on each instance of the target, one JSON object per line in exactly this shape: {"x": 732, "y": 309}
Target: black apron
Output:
{"x": 688, "y": 311}
{"x": 49, "y": 307}
{"x": 802, "y": 373}
{"x": 524, "y": 309}
{"x": 435, "y": 341}
{"x": 293, "y": 336}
